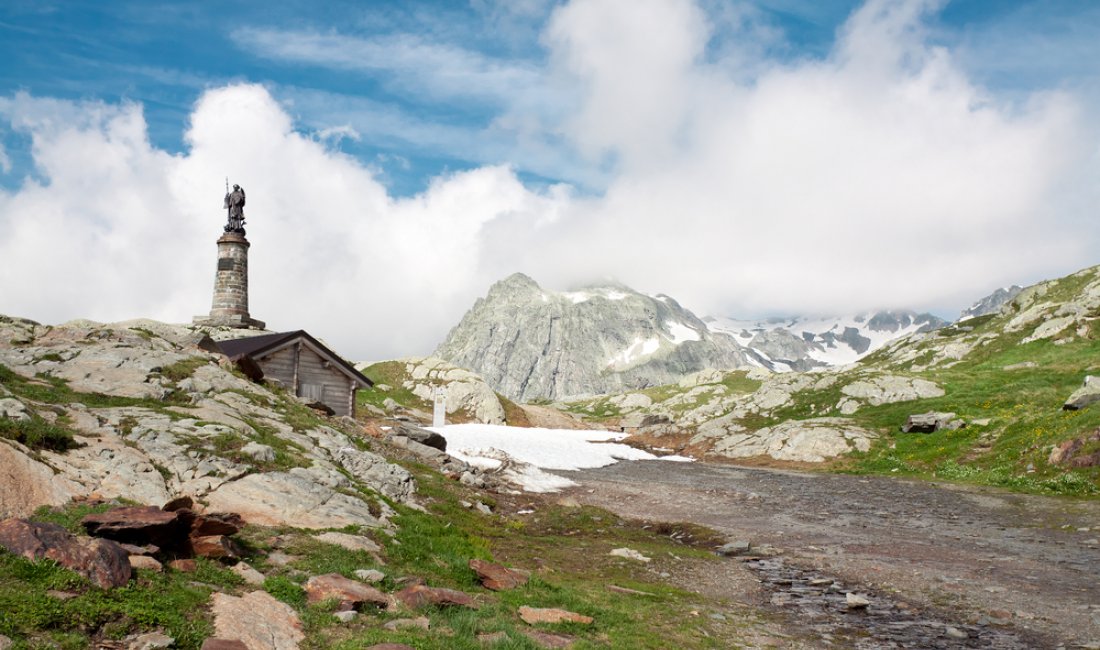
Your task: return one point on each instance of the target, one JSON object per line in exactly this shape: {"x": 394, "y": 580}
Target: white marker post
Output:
{"x": 439, "y": 414}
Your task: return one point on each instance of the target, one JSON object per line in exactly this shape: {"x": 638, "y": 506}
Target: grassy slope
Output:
{"x": 565, "y": 547}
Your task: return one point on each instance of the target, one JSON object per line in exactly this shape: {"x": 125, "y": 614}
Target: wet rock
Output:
{"x": 739, "y": 547}
{"x": 257, "y": 620}
{"x": 498, "y": 577}
{"x": 855, "y": 601}
{"x": 101, "y": 561}
{"x": 416, "y": 596}
{"x": 532, "y": 615}
{"x": 349, "y": 593}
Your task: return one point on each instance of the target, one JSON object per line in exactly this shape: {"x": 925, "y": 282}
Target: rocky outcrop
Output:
{"x": 931, "y": 422}
{"x": 990, "y": 304}
{"x": 176, "y": 422}
{"x": 463, "y": 390}
{"x": 811, "y": 441}
{"x": 1088, "y": 393}
{"x": 532, "y": 344}
{"x": 257, "y": 620}
{"x": 103, "y": 562}
{"x": 885, "y": 389}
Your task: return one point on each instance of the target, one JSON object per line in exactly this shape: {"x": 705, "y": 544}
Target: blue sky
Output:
{"x": 748, "y": 158}
{"x": 380, "y": 67}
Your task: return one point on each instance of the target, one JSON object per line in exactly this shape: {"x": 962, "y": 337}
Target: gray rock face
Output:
{"x": 931, "y": 422}
{"x": 531, "y": 344}
{"x": 991, "y": 303}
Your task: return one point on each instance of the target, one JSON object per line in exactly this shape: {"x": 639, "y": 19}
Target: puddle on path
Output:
{"x": 819, "y": 604}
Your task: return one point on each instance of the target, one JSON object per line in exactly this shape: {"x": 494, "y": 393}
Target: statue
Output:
{"x": 234, "y": 203}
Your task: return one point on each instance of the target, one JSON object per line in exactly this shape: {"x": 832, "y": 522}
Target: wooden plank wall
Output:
{"x": 316, "y": 378}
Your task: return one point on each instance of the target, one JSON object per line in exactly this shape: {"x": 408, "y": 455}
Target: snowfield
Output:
{"x": 525, "y": 452}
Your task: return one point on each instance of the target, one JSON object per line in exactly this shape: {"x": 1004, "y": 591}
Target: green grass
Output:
{"x": 392, "y": 374}
{"x": 33, "y": 617}
{"x": 37, "y": 433}
{"x": 54, "y": 390}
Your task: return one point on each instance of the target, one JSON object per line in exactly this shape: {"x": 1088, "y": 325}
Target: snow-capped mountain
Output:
{"x": 530, "y": 343}
{"x": 991, "y": 303}
{"x": 801, "y": 342}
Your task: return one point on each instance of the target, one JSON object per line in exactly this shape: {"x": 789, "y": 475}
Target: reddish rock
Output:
{"x": 497, "y": 577}
{"x": 1068, "y": 453}
{"x": 214, "y": 643}
{"x": 534, "y": 615}
{"x": 137, "y": 525}
{"x": 258, "y": 620}
{"x": 547, "y": 640}
{"x": 101, "y": 561}
{"x": 218, "y": 523}
{"x": 145, "y": 562}
{"x": 215, "y": 547}
{"x": 183, "y": 566}
{"x": 148, "y": 549}
{"x": 350, "y": 593}
{"x": 419, "y": 595}
{"x": 179, "y": 503}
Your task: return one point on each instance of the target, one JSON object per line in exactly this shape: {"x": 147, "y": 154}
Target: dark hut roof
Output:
{"x": 255, "y": 346}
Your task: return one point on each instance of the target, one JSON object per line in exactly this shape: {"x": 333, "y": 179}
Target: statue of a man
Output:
{"x": 234, "y": 202}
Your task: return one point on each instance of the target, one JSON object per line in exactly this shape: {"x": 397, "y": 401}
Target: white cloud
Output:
{"x": 122, "y": 230}
{"x": 878, "y": 176}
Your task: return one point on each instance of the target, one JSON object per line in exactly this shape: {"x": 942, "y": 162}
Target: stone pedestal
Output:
{"x": 230, "y": 307}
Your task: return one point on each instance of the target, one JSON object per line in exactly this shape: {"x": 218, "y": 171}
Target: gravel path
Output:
{"x": 978, "y": 556}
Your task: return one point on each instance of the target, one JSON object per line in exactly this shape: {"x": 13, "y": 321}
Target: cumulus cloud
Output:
{"x": 122, "y": 230}
{"x": 880, "y": 175}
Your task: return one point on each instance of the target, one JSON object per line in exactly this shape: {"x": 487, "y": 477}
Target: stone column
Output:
{"x": 230, "y": 306}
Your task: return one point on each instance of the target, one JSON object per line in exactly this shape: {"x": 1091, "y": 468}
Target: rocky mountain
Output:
{"x": 533, "y": 344}
{"x": 1007, "y": 398}
{"x": 800, "y": 343}
{"x": 991, "y": 303}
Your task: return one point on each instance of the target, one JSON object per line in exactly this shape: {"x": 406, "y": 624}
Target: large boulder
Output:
{"x": 139, "y": 525}
{"x": 812, "y": 441}
{"x": 423, "y": 436}
{"x": 102, "y": 561}
{"x": 257, "y": 620}
{"x": 931, "y": 422}
{"x": 1085, "y": 395}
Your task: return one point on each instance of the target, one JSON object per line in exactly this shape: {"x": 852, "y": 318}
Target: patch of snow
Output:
{"x": 638, "y": 349}
{"x": 682, "y": 333}
{"x": 545, "y": 298}
{"x": 565, "y": 449}
{"x": 577, "y": 297}
{"x": 615, "y": 295}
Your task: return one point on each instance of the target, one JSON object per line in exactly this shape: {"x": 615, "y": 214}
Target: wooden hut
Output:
{"x": 302, "y": 364}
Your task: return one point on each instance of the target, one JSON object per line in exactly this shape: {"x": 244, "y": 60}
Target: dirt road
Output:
{"x": 975, "y": 555}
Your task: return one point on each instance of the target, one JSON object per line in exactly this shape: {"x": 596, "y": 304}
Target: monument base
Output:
{"x": 236, "y": 322}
